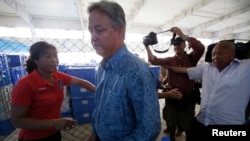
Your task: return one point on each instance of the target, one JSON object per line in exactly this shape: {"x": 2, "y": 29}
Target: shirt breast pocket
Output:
{"x": 232, "y": 80}
{"x": 115, "y": 102}
{"x": 114, "y": 110}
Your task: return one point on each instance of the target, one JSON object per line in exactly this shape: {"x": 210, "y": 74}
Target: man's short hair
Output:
{"x": 178, "y": 41}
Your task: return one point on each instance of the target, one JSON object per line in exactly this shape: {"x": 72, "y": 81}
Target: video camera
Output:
{"x": 150, "y": 39}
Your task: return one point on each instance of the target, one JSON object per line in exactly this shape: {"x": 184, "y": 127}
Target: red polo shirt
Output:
{"x": 43, "y": 100}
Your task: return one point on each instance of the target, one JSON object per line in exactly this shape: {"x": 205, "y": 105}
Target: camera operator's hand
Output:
{"x": 177, "y": 31}
{"x": 145, "y": 42}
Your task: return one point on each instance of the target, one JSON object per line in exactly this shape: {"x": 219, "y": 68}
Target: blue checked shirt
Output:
{"x": 127, "y": 107}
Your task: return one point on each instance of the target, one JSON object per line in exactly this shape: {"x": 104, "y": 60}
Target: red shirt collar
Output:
{"x": 39, "y": 79}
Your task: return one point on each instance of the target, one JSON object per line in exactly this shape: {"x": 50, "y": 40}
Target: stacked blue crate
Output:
{"x": 5, "y": 78}
{"x": 5, "y": 124}
{"x": 17, "y": 73}
{"x": 4, "y": 71}
{"x": 156, "y": 71}
{"x": 66, "y": 108}
{"x": 3, "y": 62}
{"x": 4, "y": 106}
{"x": 62, "y": 67}
{"x": 14, "y": 61}
{"x": 6, "y": 127}
{"x": 7, "y": 63}
{"x": 5, "y": 94}
{"x": 87, "y": 73}
{"x": 11, "y": 70}
{"x": 82, "y": 100}
{"x": 82, "y": 109}
{"x": 23, "y": 58}
{"x": 16, "y": 66}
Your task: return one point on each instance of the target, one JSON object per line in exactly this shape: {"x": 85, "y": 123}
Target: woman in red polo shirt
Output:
{"x": 37, "y": 97}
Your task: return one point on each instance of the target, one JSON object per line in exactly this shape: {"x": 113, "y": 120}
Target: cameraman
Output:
{"x": 179, "y": 112}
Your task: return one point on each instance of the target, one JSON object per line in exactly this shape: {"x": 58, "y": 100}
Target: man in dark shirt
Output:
{"x": 180, "y": 111}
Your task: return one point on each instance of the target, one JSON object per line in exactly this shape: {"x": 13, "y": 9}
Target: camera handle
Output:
{"x": 173, "y": 38}
{"x": 171, "y": 42}
{"x": 164, "y": 31}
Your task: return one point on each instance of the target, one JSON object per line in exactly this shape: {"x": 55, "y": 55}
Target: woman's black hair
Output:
{"x": 35, "y": 52}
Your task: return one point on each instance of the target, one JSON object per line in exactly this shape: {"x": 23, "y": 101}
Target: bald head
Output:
{"x": 226, "y": 45}
{"x": 223, "y": 53}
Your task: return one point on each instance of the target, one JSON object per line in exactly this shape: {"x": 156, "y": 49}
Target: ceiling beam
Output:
{"x": 22, "y": 13}
{"x": 242, "y": 36}
{"x": 229, "y": 30}
{"x": 204, "y": 26}
{"x": 81, "y": 5}
{"x": 134, "y": 11}
{"x": 19, "y": 10}
{"x": 183, "y": 14}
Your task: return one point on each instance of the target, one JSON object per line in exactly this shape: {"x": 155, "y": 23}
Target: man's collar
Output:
{"x": 115, "y": 59}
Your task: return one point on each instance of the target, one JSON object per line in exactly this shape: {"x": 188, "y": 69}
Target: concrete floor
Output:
{"x": 82, "y": 132}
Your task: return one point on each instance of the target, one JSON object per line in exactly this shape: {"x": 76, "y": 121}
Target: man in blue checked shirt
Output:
{"x": 127, "y": 107}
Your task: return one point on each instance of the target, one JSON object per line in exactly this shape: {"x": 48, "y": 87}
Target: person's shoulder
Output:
{"x": 59, "y": 74}
{"x": 129, "y": 57}
{"x": 132, "y": 62}
{"x": 25, "y": 80}
{"x": 241, "y": 61}
{"x": 244, "y": 62}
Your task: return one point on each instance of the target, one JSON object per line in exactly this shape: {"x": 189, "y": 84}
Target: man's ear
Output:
{"x": 120, "y": 31}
